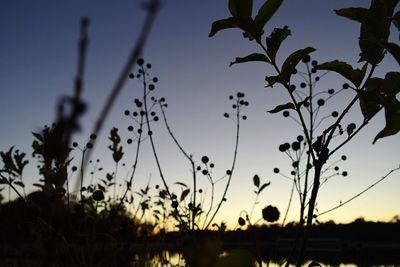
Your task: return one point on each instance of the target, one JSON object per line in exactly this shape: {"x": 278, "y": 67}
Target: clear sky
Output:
{"x": 38, "y": 62}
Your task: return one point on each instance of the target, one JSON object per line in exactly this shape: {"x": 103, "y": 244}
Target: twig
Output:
{"x": 359, "y": 194}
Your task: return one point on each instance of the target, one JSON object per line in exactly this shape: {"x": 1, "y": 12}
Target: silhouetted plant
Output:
{"x": 373, "y": 93}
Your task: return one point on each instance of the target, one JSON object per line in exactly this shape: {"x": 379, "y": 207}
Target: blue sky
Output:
{"x": 38, "y": 63}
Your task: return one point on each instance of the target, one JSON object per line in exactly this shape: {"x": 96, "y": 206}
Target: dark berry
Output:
{"x": 204, "y": 159}
{"x": 98, "y": 195}
{"x": 228, "y": 172}
{"x": 303, "y": 85}
{"x": 244, "y": 117}
{"x": 155, "y": 118}
{"x": 276, "y": 170}
{"x": 270, "y": 214}
{"x": 74, "y": 168}
{"x": 335, "y": 114}
{"x": 74, "y": 144}
{"x": 331, "y": 91}
{"x": 300, "y": 138}
{"x": 212, "y": 165}
{"x": 226, "y": 115}
{"x": 89, "y": 145}
{"x": 175, "y": 204}
{"x": 336, "y": 168}
{"x": 92, "y": 136}
{"x": 148, "y": 66}
{"x": 130, "y": 128}
{"x": 346, "y": 86}
{"x": 295, "y": 146}
{"x": 151, "y": 87}
{"x": 241, "y": 221}
{"x": 321, "y": 102}
{"x": 204, "y": 172}
{"x": 344, "y": 173}
{"x": 286, "y": 114}
{"x": 344, "y": 157}
{"x": 155, "y": 79}
{"x": 306, "y": 59}
{"x": 140, "y": 61}
{"x": 131, "y": 76}
{"x": 314, "y": 62}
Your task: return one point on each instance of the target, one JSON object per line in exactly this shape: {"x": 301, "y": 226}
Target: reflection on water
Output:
{"x": 174, "y": 259}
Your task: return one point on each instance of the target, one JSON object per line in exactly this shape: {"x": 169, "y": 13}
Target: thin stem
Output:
{"x": 189, "y": 158}
{"x": 359, "y": 194}
{"x": 233, "y": 163}
{"x": 136, "y": 51}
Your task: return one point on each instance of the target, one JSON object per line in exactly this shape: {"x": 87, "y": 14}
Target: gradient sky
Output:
{"x": 38, "y": 62}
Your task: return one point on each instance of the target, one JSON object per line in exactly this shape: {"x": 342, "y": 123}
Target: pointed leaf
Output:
{"x": 263, "y": 187}
{"x": 354, "y": 13}
{"x": 19, "y": 183}
{"x": 392, "y": 117}
{"x": 181, "y": 184}
{"x": 241, "y": 8}
{"x": 354, "y": 75}
{"x": 266, "y": 12}
{"x": 184, "y": 194}
{"x": 374, "y": 31}
{"x": 282, "y": 107}
{"x": 394, "y": 50}
{"x": 275, "y": 40}
{"x": 249, "y": 58}
{"x": 291, "y": 62}
{"x": 256, "y": 180}
{"x": 222, "y": 24}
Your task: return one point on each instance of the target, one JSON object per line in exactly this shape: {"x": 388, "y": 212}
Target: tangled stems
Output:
{"x": 153, "y": 147}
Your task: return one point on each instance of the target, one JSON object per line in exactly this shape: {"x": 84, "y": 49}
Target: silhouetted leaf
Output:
{"x": 263, "y": 187}
{"x": 354, "y": 75}
{"x": 392, "y": 83}
{"x": 350, "y": 128}
{"x": 241, "y": 8}
{"x": 369, "y": 103}
{"x": 256, "y": 180}
{"x": 252, "y": 57}
{"x": 374, "y": 32}
{"x": 181, "y": 184}
{"x": 271, "y": 80}
{"x": 222, "y": 24}
{"x": 396, "y": 20}
{"x": 394, "y": 50}
{"x": 266, "y": 11}
{"x": 282, "y": 107}
{"x": 38, "y": 136}
{"x": 354, "y": 13}
{"x": 19, "y": 183}
{"x": 392, "y": 117}
{"x": 184, "y": 194}
{"x": 275, "y": 40}
{"x": 291, "y": 62}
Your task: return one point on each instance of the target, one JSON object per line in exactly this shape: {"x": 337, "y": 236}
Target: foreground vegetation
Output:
{"x": 95, "y": 224}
